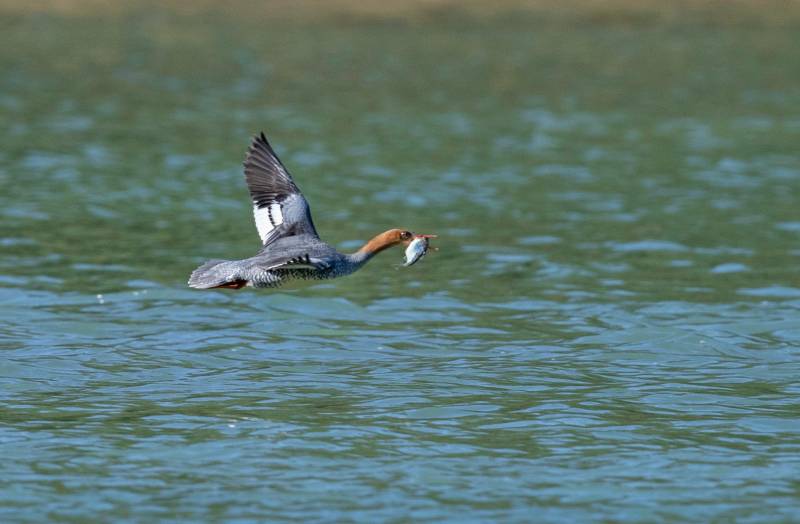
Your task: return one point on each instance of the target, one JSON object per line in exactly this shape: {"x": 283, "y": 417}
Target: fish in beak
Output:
{"x": 417, "y": 249}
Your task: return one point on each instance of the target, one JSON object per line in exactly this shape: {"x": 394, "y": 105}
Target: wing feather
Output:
{"x": 279, "y": 208}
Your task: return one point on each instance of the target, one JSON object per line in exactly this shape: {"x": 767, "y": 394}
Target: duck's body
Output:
{"x": 299, "y": 257}
{"x": 291, "y": 249}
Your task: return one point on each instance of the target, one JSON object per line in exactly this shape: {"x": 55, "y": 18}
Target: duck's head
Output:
{"x": 392, "y": 237}
{"x": 405, "y": 237}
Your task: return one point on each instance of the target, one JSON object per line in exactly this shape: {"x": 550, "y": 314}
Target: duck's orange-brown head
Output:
{"x": 388, "y": 239}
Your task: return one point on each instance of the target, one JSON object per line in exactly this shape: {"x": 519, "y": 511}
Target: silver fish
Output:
{"x": 417, "y": 249}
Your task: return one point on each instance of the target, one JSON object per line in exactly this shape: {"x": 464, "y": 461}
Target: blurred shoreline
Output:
{"x": 752, "y": 13}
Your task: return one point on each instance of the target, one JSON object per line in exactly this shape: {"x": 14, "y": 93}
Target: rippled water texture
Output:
{"x": 609, "y": 331}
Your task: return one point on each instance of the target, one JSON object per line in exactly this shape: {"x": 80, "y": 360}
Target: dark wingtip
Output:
{"x": 259, "y": 141}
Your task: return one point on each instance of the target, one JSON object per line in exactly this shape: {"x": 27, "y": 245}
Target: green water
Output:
{"x": 609, "y": 331}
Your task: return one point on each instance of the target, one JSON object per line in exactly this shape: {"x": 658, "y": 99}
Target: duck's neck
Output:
{"x": 377, "y": 244}
{"x": 359, "y": 258}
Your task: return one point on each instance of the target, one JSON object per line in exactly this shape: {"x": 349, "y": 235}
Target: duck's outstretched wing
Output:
{"x": 279, "y": 207}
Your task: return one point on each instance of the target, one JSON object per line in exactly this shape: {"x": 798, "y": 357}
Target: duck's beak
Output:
{"x": 426, "y": 237}
{"x": 416, "y": 236}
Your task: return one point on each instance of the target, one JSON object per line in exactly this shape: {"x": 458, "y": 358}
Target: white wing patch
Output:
{"x": 267, "y": 218}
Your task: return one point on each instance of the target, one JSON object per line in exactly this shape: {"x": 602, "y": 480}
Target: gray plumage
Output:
{"x": 301, "y": 257}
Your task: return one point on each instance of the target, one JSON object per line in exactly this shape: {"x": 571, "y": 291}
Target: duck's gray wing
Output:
{"x": 279, "y": 208}
{"x": 297, "y": 252}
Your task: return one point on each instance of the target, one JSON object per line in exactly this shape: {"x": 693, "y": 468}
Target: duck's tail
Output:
{"x": 216, "y": 274}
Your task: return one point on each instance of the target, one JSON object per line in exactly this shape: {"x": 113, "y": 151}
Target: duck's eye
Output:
{"x": 405, "y": 235}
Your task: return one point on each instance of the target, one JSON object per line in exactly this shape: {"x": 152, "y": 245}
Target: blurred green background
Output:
{"x": 608, "y": 331}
